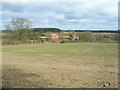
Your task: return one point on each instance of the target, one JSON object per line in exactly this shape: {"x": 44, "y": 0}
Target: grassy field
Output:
{"x": 72, "y": 65}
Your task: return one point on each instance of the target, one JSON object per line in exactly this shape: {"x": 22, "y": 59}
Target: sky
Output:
{"x": 63, "y": 14}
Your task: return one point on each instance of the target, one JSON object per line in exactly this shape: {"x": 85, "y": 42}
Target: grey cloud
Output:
{"x": 13, "y": 7}
{"x": 59, "y": 14}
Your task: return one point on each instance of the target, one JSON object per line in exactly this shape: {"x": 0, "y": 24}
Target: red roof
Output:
{"x": 54, "y": 35}
{"x": 64, "y": 36}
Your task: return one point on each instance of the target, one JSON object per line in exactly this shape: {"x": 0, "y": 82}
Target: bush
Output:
{"x": 87, "y": 37}
{"x": 70, "y": 38}
{"x": 8, "y": 42}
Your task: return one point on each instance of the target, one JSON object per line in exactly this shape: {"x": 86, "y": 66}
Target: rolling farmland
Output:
{"x": 70, "y": 65}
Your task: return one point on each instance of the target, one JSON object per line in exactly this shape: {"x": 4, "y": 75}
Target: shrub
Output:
{"x": 70, "y": 38}
{"x": 87, "y": 37}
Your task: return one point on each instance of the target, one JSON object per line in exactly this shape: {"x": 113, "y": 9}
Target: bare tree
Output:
{"x": 20, "y": 27}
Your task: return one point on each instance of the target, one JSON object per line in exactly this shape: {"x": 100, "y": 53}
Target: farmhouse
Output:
{"x": 42, "y": 37}
{"x": 54, "y": 36}
{"x": 64, "y": 36}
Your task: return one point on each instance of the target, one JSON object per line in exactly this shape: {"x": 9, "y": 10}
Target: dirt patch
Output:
{"x": 104, "y": 84}
{"x": 14, "y": 77}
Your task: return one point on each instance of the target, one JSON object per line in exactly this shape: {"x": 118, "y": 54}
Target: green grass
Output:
{"x": 63, "y": 50}
{"x": 60, "y": 65}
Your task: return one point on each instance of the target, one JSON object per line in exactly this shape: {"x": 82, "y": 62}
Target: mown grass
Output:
{"x": 60, "y": 65}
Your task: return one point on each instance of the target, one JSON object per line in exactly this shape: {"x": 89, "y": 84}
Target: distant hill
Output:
{"x": 44, "y": 30}
{"x": 98, "y": 31}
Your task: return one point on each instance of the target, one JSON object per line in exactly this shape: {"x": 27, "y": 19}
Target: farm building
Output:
{"x": 64, "y": 36}
{"x": 54, "y": 36}
{"x": 42, "y": 37}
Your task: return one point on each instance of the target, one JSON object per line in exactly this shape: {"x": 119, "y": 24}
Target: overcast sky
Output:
{"x": 63, "y": 14}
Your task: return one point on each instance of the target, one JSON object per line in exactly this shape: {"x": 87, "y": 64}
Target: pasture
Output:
{"x": 69, "y": 65}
